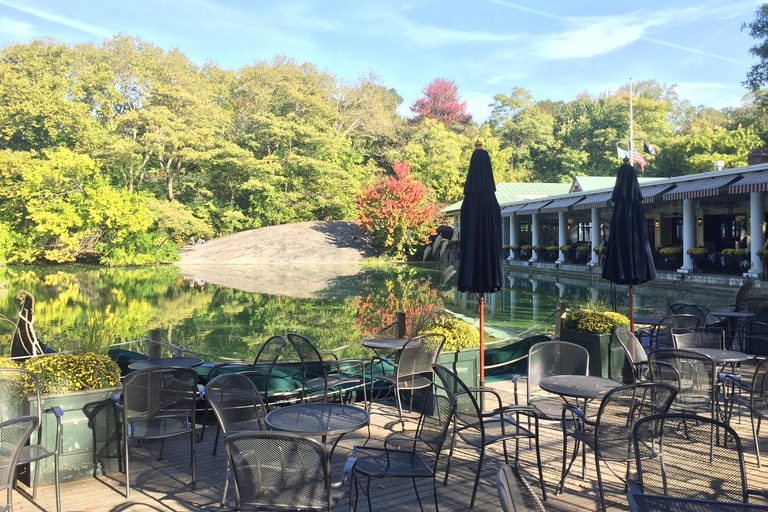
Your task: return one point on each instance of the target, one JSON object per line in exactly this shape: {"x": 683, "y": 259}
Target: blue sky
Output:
{"x": 555, "y": 49}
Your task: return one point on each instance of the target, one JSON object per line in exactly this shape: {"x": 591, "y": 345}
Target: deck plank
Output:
{"x": 164, "y": 485}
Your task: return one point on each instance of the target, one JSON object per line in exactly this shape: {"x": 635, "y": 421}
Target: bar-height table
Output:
{"x": 385, "y": 346}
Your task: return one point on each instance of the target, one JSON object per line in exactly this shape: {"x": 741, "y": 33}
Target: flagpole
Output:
{"x": 631, "y": 134}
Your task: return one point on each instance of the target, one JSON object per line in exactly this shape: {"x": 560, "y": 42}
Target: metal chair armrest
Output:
{"x": 493, "y": 392}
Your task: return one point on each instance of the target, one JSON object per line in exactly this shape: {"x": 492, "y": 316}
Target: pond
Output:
{"x": 90, "y": 308}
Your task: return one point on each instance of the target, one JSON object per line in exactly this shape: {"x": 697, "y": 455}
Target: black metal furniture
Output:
{"x": 337, "y": 376}
{"x": 697, "y": 339}
{"x": 677, "y": 455}
{"x": 413, "y": 367}
{"x": 639, "y": 502}
{"x": 385, "y": 346}
{"x": 166, "y": 362}
{"x": 753, "y": 396}
{"x": 515, "y": 494}
{"x": 580, "y": 387}
{"x": 281, "y": 471}
{"x": 413, "y": 456}
{"x": 634, "y": 350}
{"x": 609, "y": 435}
{"x": 157, "y": 404}
{"x": 13, "y": 434}
{"x": 20, "y": 392}
{"x": 693, "y": 374}
{"x": 482, "y": 427}
{"x": 661, "y": 334}
{"x": 547, "y": 359}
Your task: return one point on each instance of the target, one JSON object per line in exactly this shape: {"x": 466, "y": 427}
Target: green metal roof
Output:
{"x": 513, "y": 192}
{"x": 590, "y": 183}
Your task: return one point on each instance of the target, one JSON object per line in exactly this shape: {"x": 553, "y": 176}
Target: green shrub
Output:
{"x": 505, "y": 247}
{"x": 734, "y": 253}
{"x": 526, "y": 247}
{"x": 66, "y": 373}
{"x": 595, "y": 322}
{"x": 582, "y": 249}
{"x": 697, "y": 252}
{"x": 538, "y": 248}
{"x": 671, "y": 251}
{"x": 567, "y": 248}
{"x": 514, "y": 247}
{"x": 600, "y": 249}
{"x": 459, "y": 335}
{"x": 553, "y": 249}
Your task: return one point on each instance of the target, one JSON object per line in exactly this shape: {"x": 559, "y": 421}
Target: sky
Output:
{"x": 557, "y": 50}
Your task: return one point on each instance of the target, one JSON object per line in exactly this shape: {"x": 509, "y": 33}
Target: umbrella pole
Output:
{"x": 482, "y": 340}
{"x": 631, "y": 311}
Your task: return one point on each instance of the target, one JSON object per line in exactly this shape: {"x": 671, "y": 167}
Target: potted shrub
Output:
{"x": 461, "y": 351}
{"x": 513, "y": 251}
{"x": 83, "y": 386}
{"x": 525, "y": 251}
{"x": 672, "y": 255}
{"x": 505, "y": 251}
{"x": 553, "y": 251}
{"x": 593, "y": 330}
{"x": 698, "y": 255}
{"x": 568, "y": 251}
{"x": 734, "y": 257}
{"x": 582, "y": 253}
{"x": 540, "y": 252}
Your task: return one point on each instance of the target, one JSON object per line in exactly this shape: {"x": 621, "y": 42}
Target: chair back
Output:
{"x": 515, "y": 494}
{"x": 159, "y": 393}
{"x": 236, "y": 402}
{"x": 417, "y": 357}
{"x": 690, "y": 457}
{"x": 693, "y": 375}
{"x": 312, "y": 366}
{"x": 620, "y": 409}
{"x": 14, "y": 434}
{"x": 279, "y": 471}
{"x": 661, "y": 334}
{"x": 554, "y": 357}
{"x": 632, "y": 346}
{"x": 439, "y": 406}
{"x": 265, "y": 361}
{"x": 681, "y": 308}
{"x": 468, "y": 413}
{"x": 696, "y": 339}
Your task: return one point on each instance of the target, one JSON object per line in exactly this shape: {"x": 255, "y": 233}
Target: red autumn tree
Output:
{"x": 441, "y": 103}
{"x": 397, "y": 212}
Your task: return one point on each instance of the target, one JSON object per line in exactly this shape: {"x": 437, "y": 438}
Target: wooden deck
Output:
{"x": 164, "y": 485}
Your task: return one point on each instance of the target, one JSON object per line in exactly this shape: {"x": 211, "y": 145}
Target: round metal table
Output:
{"x": 385, "y": 345}
{"x": 722, "y": 356}
{"x": 166, "y": 362}
{"x": 318, "y": 420}
{"x": 585, "y": 387}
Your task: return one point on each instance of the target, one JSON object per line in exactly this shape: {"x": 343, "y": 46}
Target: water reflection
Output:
{"x": 88, "y": 308}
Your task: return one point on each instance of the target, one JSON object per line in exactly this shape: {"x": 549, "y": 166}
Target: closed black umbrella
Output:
{"x": 628, "y": 259}
{"x": 481, "y": 265}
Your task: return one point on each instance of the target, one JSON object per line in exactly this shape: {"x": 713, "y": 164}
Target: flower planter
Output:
{"x": 90, "y": 435}
{"x": 606, "y": 359}
{"x": 464, "y": 363}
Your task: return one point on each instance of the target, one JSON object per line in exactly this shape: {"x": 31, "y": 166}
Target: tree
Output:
{"x": 757, "y": 76}
{"x": 441, "y": 103}
{"x": 397, "y": 212}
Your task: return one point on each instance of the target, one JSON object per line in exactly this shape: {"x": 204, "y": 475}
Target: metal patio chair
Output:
{"x": 13, "y": 434}
{"x": 515, "y": 494}
{"x": 158, "y": 404}
{"x": 661, "y": 334}
{"x": 413, "y": 367}
{"x": 480, "y": 427}
{"x": 692, "y": 374}
{"x": 685, "y": 338}
{"x": 413, "y": 456}
{"x": 634, "y": 350}
{"x": 20, "y": 396}
{"x": 675, "y": 456}
{"x": 609, "y": 435}
{"x": 281, "y": 471}
{"x": 751, "y": 395}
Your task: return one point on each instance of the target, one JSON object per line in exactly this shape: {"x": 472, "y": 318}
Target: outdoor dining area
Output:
{"x": 399, "y": 430}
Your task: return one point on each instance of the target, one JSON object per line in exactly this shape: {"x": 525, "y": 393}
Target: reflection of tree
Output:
{"x": 404, "y": 289}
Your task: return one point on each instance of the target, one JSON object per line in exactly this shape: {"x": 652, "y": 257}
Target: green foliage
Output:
{"x": 553, "y": 249}
{"x": 582, "y": 249}
{"x": 697, "y": 252}
{"x": 66, "y": 373}
{"x": 734, "y": 253}
{"x": 459, "y": 335}
{"x": 526, "y": 247}
{"x": 595, "y": 322}
{"x": 600, "y": 249}
{"x": 514, "y": 247}
{"x": 670, "y": 251}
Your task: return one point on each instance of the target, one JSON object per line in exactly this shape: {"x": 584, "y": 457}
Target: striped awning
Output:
{"x": 561, "y": 205}
{"x": 757, "y": 182}
{"x": 699, "y": 188}
{"x": 650, "y": 193}
{"x": 511, "y": 208}
{"x": 596, "y": 201}
{"x": 533, "y": 207}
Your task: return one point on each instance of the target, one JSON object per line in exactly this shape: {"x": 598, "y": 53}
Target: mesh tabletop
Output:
{"x": 318, "y": 419}
{"x": 578, "y": 386}
{"x": 166, "y": 362}
{"x": 391, "y": 344}
{"x": 654, "y": 503}
{"x": 722, "y": 356}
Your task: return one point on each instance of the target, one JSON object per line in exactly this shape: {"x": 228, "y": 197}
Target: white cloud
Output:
{"x": 61, "y": 20}
{"x": 597, "y": 38}
{"x": 15, "y": 28}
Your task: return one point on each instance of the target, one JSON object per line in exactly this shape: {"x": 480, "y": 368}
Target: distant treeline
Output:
{"x": 120, "y": 152}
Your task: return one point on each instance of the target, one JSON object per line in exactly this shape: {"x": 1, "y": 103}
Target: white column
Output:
{"x": 596, "y": 236}
{"x": 689, "y": 235}
{"x": 756, "y": 236}
{"x": 514, "y": 230}
{"x": 562, "y": 229}
{"x": 535, "y": 232}
{"x": 505, "y": 232}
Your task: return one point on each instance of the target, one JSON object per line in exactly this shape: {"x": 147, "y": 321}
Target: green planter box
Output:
{"x": 464, "y": 363}
{"x": 606, "y": 359}
{"x": 90, "y": 434}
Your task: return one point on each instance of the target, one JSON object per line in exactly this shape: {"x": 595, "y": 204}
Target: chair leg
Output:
{"x": 418, "y": 498}
{"x": 450, "y": 456}
{"x": 226, "y": 487}
{"x": 34, "y": 481}
{"x": 368, "y": 495}
{"x": 216, "y": 440}
{"x": 205, "y": 421}
{"x": 477, "y": 478}
{"x": 194, "y": 465}
{"x": 127, "y": 468}
{"x": 538, "y": 463}
{"x": 56, "y": 480}
{"x": 399, "y": 408}
{"x": 755, "y": 436}
{"x": 599, "y": 482}
{"x": 434, "y": 493}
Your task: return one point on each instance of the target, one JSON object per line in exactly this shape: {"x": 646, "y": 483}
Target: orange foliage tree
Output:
{"x": 397, "y": 212}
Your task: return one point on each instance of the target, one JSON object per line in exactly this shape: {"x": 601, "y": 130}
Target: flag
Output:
{"x": 650, "y": 149}
{"x": 636, "y": 156}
